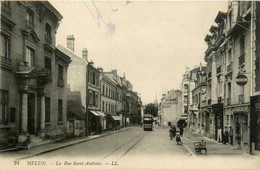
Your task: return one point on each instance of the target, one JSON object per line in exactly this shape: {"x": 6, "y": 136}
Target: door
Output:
{"x": 31, "y": 113}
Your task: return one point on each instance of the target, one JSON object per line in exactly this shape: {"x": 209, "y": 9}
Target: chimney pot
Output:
{"x": 85, "y": 54}
{"x": 70, "y": 42}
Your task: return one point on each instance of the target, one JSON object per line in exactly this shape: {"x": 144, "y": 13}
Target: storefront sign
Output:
{"x": 241, "y": 80}
{"x": 240, "y": 109}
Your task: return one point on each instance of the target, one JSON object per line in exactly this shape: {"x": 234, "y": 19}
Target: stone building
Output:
{"x": 196, "y": 122}
{"x": 95, "y": 119}
{"x": 108, "y": 100}
{"x": 77, "y": 81}
{"x": 33, "y": 73}
{"x": 170, "y": 107}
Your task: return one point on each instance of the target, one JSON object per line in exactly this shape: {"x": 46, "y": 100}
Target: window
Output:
{"x": 29, "y": 16}
{"x": 5, "y": 46}
{"x": 103, "y": 105}
{"x": 90, "y": 98}
{"x": 48, "y": 31}
{"x": 60, "y": 72}
{"x": 96, "y": 99}
{"x": 97, "y": 80}
{"x": 106, "y": 106}
{"x": 60, "y": 110}
{"x": 48, "y": 64}
{"x": 47, "y": 110}
{"x": 4, "y": 106}
{"x": 94, "y": 79}
{"x": 30, "y": 56}
{"x": 103, "y": 92}
{"x": 12, "y": 114}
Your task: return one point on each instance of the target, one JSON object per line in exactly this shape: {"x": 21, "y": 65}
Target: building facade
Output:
{"x": 33, "y": 73}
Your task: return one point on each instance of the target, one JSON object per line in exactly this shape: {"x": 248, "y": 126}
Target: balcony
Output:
{"x": 209, "y": 76}
{"x": 6, "y": 62}
{"x": 242, "y": 59}
{"x": 204, "y": 102}
{"x": 229, "y": 68}
{"x": 241, "y": 98}
{"x": 219, "y": 70}
{"x": 209, "y": 101}
{"x": 228, "y": 101}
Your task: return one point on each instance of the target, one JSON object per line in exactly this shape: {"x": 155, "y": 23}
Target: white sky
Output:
{"x": 151, "y": 41}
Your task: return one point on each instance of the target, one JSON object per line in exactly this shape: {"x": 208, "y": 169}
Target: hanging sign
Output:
{"x": 241, "y": 79}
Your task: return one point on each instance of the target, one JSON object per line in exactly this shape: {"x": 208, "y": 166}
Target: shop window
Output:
{"x": 47, "y": 109}
{"x": 60, "y": 113}
{"x": 4, "y": 106}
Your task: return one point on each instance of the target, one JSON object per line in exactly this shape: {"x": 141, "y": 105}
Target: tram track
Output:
{"x": 127, "y": 146}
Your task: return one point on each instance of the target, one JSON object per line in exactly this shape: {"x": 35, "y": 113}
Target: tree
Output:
{"x": 151, "y": 109}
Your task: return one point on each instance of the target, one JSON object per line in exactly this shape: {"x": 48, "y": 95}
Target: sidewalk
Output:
{"x": 55, "y": 145}
{"x": 213, "y": 148}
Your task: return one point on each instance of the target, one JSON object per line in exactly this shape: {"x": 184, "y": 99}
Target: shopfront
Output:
{"x": 217, "y": 109}
{"x": 255, "y": 122}
{"x": 241, "y": 136}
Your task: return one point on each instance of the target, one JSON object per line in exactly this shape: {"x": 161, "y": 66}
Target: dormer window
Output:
{"x": 48, "y": 30}
{"x": 29, "y": 15}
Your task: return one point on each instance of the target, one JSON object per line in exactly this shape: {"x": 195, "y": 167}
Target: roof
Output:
{"x": 220, "y": 17}
{"x": 70, "y": 53}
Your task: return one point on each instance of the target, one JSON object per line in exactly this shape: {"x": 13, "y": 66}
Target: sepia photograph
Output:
{"x": 142, "y": 84}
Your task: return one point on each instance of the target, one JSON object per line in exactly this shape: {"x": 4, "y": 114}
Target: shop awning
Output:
{"x": 116, "y": 117}
{"x": 95, "y": 113}
{"x": 101, "y": 114}
{"x": 182, "y": 118}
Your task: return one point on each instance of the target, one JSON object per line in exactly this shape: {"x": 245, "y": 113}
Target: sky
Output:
{"x": 152, "y": 42}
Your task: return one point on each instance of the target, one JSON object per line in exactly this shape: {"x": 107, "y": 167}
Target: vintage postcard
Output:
{"x": 130, "y": 84}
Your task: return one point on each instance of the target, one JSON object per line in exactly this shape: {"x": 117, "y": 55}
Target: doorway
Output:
{"x": 31, "y": 113}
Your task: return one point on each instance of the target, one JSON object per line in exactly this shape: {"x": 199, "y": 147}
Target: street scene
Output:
{"x": 130, "y": 85}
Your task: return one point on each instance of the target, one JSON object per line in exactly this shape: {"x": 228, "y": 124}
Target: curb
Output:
{"x": 64, "y": 146}
{"x": 188, "y": 149}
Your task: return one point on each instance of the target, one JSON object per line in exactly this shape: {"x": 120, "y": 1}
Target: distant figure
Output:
{"x": 219, "y": 138}
{"x": 172, "y": 131}
{"x": 178, "y": 139}
{"x": 181, "y": 130}
{"x": 225, "y": 135}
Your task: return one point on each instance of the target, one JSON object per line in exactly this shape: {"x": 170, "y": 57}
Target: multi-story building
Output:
{"x": 238, "y": 62}
{"x": 171, "y": 106}
{"x": 255, "y": 87}
{"x": 215, "y": 56}
{"x": 109, "y": 99}
{"x": 33, "y": 73}
{"x": 77, "y": 81}
{"x": 196, "y": 115}
{"x": 95, "y": 119}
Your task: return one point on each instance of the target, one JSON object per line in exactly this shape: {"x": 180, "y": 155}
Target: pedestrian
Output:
{"x": 225, "y": 135}
{"x": 219, "y": 138}
{"x": 181, "y": 130}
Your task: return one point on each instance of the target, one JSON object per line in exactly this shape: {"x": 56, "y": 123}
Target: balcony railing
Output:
{"x": 228, "y": 101}
{"x": 229, "y": 68}
{"x": 241, "y": 98}
{"x": 242, "y": 59}
{"x": 219, "y": 70}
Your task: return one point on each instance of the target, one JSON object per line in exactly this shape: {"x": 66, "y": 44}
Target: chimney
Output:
{"x": 85, "y": 54}
{"x": 70, "y": 42}
{"x": 114, "y": 72}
